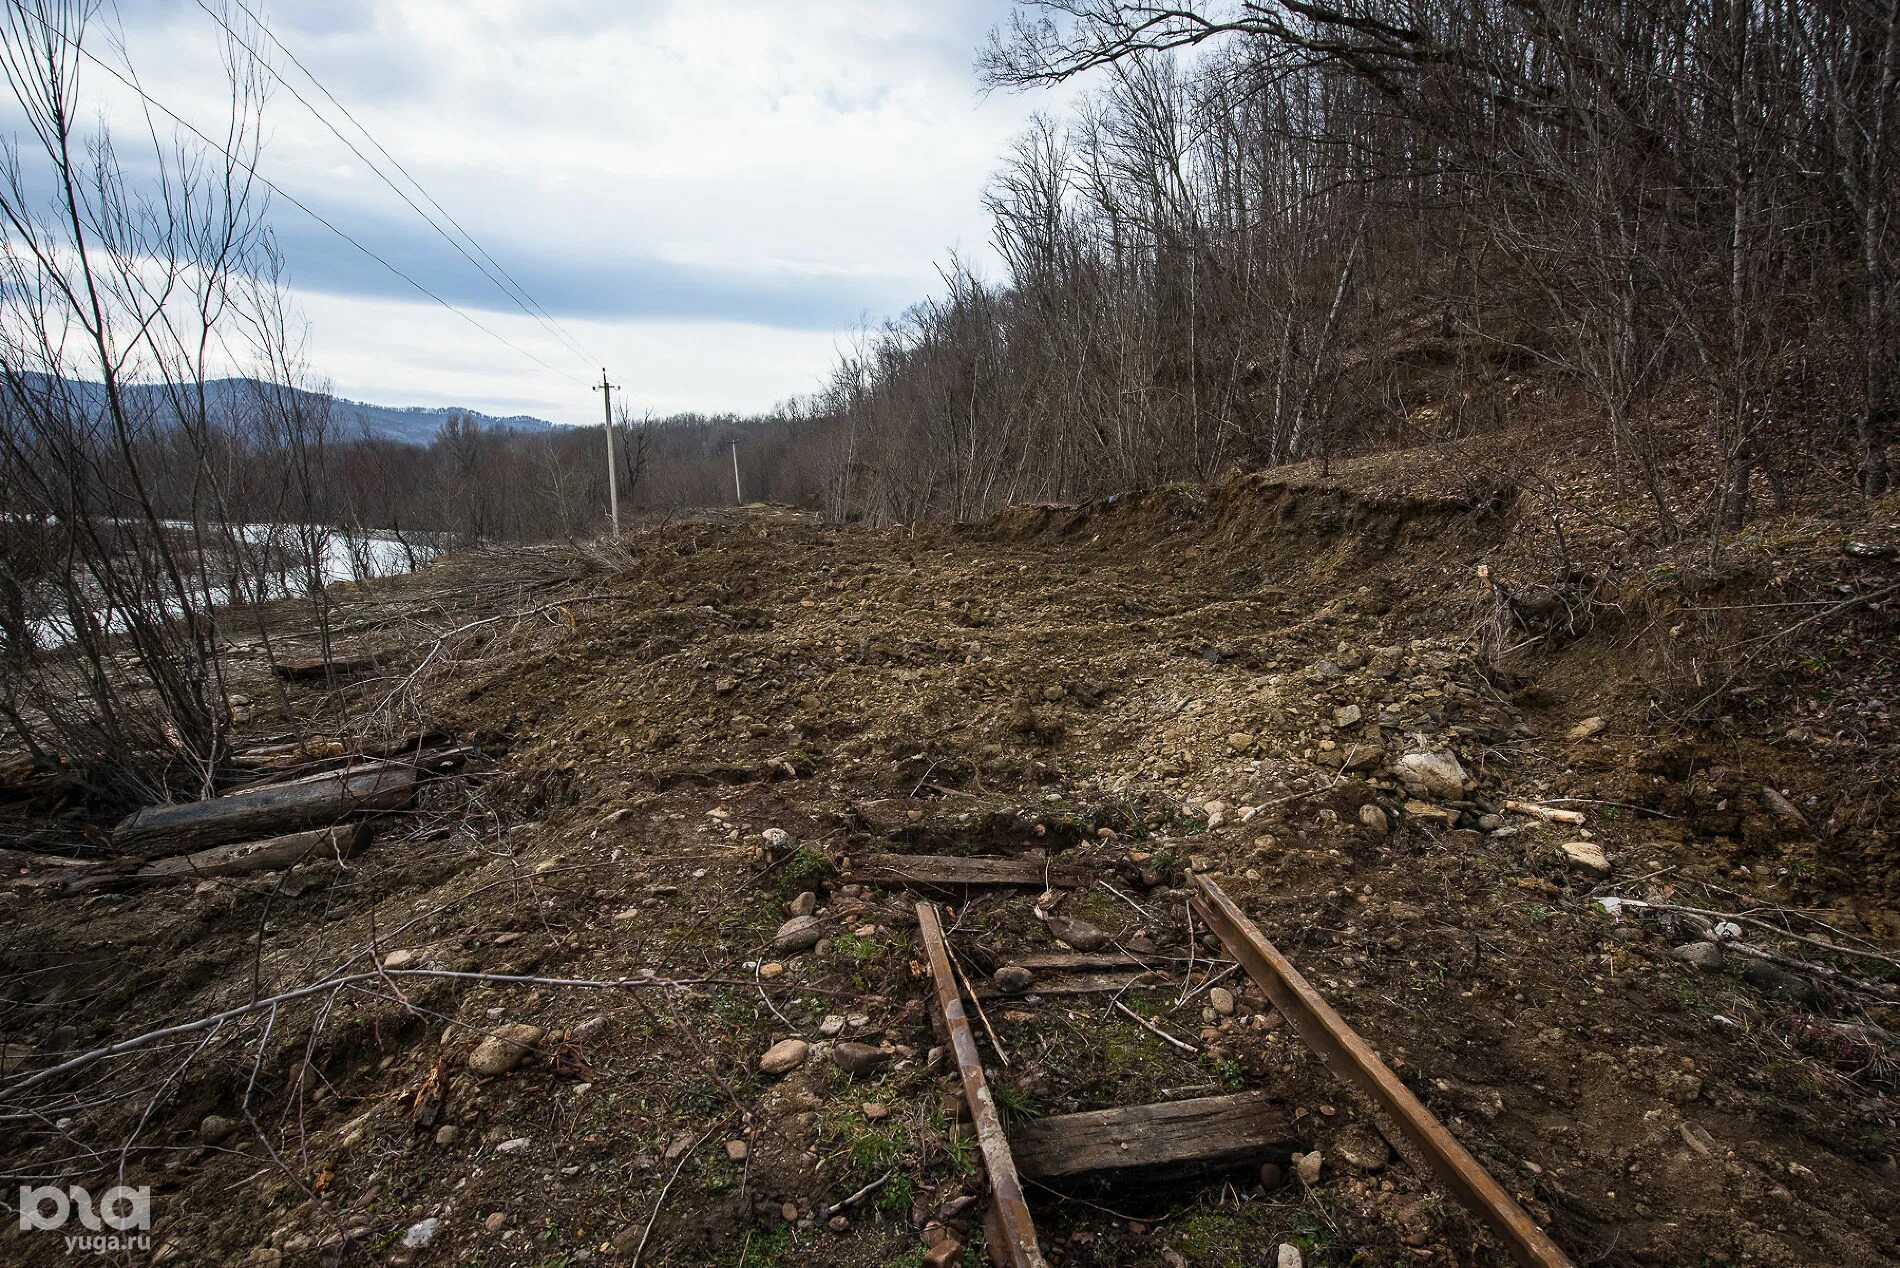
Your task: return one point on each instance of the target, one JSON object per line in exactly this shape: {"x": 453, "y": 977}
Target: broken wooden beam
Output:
{"x": 1351, "y": 1058}
{"x": 306, "y": 668}
{"x": 956, "y": 869}
{"x": 1209, "y": 1133}
{"x": 245, "y": 859}
{"x": 270, "y": 855}
{"x": 157, "y": 831}
{"x": 1016, "y": 1246}
{"x": 1059, "y": 983}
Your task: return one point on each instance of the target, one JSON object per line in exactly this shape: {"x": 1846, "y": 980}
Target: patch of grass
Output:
{"x": 1015, "y": 1103}
{"x": 896, "y": 1197}
{"x": 805, "y": 869}
{"x": 765, "y": 1249}
{"x": 1228, "y": 1073}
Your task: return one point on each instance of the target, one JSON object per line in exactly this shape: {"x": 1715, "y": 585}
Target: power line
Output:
{"x": 506, "y": 283}
{"x": 251, "y": 169}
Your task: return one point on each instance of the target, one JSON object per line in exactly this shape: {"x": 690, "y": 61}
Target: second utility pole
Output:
{"x": 606, "y": 391}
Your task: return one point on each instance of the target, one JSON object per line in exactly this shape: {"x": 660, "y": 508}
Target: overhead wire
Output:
{"x": 506, "y": 282}
{"x": 250, "y": 168}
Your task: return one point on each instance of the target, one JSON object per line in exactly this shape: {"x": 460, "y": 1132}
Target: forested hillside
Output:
{"x": 1271, "y": 233}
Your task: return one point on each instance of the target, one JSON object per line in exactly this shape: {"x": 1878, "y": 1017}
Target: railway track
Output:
{"x": 1205, "y": 1134}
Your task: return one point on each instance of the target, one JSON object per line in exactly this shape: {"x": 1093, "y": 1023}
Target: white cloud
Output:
{"x": 840, "y": 147}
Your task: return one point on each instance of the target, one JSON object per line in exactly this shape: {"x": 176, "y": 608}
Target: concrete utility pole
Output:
{"x": 606, "y": 391}
{"x": 737, "y": 496}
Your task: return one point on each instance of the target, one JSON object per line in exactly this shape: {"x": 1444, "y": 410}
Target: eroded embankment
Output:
{"x": 685, "y": 742}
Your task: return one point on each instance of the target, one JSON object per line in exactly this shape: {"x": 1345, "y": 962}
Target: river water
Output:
{"x": 270, "y": 568}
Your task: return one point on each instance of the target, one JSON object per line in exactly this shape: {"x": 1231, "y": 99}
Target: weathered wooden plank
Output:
{"x": 1208, "y": 1133}
{"x": 953, "y": 869}
{"x": 1015, "y": 1245}
{"x": 1077, "y": 961}
{"x": 157, "y": 831}
{"x": 1078, "y": 984}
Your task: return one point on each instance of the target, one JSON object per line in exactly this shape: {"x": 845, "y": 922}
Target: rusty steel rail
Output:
{"x": 1009, "y": 1212}
{"x": 1349, "y": 1057}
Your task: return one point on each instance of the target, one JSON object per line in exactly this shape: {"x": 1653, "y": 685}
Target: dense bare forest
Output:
{"x": 1277, "y": 232}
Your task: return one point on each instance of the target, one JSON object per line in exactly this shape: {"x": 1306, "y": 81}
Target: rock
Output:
{"x": 1077, "y": 935}
{"x": 784, "y": 1056}
{"x": 498, "y": 1220}
{"x": 800, "y": 933}
{"x": 447, "y": 1134}
{"x": 1289, "y": 1257}
{"x": 1223, "y": 1001}
{"x": 1428, "y": 813}
{"x": 1781, "y": 808}
{"x": 1776, "y": 980}
{"x": 1347, "y": 715}
{"x": 777, "y": 840}
{"x": 1014, "y": 979}
{"x": 1697, "y": 1137}
{"x": 1432, "y": 774}
{"x": 1587, "y": 857}
{"x": 1240, "y": 741}
{"x": 771, "y": 969}
{"x": 832, "y": 1025}
{"x": 400, "y": 959}
{"x": 1216, "y": 812}
{"x": 1362, "y": 1148}
{"x": 803, "y": 905}
{"x": 859, "y": 1060}
{"x": 421, "y": 1233}
{"x": 1272, "y": 1176}
{"x": 216, "y": 1128}
{"x": 874, "y": 1111}
{"x": 1373, "y": 817}
{"x": 737, "y": 1150}
{"x": 838, "y": 1224}
{"x": 1307, "y": 1166}
{"x": 504, "y": 1050}
{"x": 946, "y": 1252}
{"x": 518, "y": 1145}
{"x": 1414, "y": 1221}
{"x": 1587, "y": 728}
{"x": 1701, "y": 955}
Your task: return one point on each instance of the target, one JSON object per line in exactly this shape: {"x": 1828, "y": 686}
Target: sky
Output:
{"x": 709, "y": 198}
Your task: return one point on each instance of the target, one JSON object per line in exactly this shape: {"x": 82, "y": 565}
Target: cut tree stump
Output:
{"x": 952, "y": 869}
{"x": 158, "y": 831}
{"x": 1207, "y": 1133}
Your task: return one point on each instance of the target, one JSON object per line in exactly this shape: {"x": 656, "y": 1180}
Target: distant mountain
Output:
{"x": 416, "y": 424}
{"x": 419, "y": 423}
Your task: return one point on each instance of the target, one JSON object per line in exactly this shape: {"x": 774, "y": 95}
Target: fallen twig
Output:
{"x": 1182, "y": 1044}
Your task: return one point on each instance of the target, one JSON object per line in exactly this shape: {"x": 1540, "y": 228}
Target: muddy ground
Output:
{"x": 683, "y": 740}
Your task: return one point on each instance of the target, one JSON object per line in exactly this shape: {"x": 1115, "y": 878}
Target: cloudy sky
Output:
{"x": 708, "y": 196}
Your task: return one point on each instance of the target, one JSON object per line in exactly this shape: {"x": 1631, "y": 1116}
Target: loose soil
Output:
{"x": 678, "y": 736}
